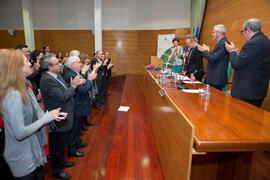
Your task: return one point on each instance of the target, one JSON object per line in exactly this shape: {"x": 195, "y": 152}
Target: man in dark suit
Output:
{"x": 100, "y": 80}
{"x": 217, "y": 66}
{"x": 194, "y": 65}
{"x": 252, "y": 65}
{"x": 108, "y": 72}
{"x": 56, "y": 94}
{"x": 81, "y": 102}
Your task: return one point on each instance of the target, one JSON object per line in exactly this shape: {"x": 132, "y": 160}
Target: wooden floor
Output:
{"x": 121, "y": 146}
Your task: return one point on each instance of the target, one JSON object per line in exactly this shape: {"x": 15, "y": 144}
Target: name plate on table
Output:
{"x": 162, "y": 92}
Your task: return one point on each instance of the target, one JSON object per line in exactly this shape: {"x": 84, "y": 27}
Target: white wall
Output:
{"x": 116, "y": 14}
{"x": 145, "y": 14}
{"x": 11, "y": 14}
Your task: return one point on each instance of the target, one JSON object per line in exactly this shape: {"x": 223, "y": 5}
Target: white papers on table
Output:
{"x": 192, "y": 82}
{"x": 123, "y": 108}
{"x": 183, "y": 78}
{"x": 192, "y": 90}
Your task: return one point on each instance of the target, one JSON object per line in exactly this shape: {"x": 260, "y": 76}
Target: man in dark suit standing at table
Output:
{"x": 252, "y": 65}
{"x": 56, "y": 94}
{"x": 217, "y": 66}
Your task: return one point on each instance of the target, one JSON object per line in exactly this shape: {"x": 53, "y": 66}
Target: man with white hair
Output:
{"x": 217, "y": 66}
{"x": 81, "y": 103}
{"x": 74, "y": 53}
{"x": 252, "y": 65}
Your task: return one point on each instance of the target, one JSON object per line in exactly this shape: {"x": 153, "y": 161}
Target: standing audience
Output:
{"x": 56, "y": 94}
{"x": 23, "y": 118}
{"x": 81, "y": 103}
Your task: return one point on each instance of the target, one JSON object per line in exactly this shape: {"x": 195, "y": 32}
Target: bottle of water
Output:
{"x": 207, "y": 91}
{"x": 175, "y": 80}
{"x": 163, "y": 77}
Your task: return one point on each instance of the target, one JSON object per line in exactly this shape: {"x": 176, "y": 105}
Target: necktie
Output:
{"x": 61, "y": 81}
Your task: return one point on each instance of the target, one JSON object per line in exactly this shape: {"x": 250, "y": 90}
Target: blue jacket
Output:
{"x": 217, "y": 66}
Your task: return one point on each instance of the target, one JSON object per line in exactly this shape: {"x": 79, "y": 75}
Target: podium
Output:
{"x": 224, "y": 132}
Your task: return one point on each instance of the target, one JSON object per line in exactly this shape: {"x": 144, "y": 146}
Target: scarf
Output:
{"x": 39, "y": 138}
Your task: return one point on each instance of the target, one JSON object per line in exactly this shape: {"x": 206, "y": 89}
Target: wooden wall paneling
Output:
{"x": 7, "y": 41}
{"x": 232, "y": 14}
{"x": 65, "y": 40}
{"x": 131, "y": 49}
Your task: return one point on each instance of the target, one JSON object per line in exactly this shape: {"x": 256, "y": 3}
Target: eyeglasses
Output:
{"x": 243, "y": 31}
{"x": 56, "y": 64}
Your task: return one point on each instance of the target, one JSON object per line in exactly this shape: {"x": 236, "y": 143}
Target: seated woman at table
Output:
{"x": 24, "y": 121}
{"x": 194, "y": 62}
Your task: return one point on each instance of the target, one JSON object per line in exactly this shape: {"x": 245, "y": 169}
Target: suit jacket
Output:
{"x": 109, "y": 71}
{"x": 81, "y": 101}
{"x": 195, "y": 63}
{"x": 100, "y": 80}
{"x": 251, "y": 68}
{"x": 55, "y": 95}
{"x": 217, "y": 66}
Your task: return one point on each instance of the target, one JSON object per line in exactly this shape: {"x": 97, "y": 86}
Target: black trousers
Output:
{"x": 101, "y": 85}
{"x": 74, "y": 139}
{"x": 84, "y": 120}
{"x": 3, "y": 165}
{"x": 57, "y": 141}
{"x": 256, "y": 102}
{"x": 107, "y": 83}
{"x": 37, "y": 174}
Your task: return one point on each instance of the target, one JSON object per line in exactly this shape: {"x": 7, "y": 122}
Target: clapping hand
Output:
{"x": 85, "y": 68}
{"x": 203, "y": 47}
{"x": 96, "y": 66}
{"x": 110, "y": 65}
{"x": 76, "y": 81}
{"x": 54, "y": 113}
{"x": 106, "y": 61}
{"x": 231, "y": 47}
{"x": 92, "y": 76}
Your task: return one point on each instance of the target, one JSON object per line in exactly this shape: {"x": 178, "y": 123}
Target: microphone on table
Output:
{"x": 182, "y": 82}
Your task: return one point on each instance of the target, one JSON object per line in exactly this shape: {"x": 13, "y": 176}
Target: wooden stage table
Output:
{"x": 227, "y": 130}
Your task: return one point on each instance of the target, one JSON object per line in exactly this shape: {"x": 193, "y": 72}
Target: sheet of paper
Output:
{"x": 123, "y": 108}
{"x": 191, "y": 90}
{"x": 183, "y": 78}
{"x": 192, "y": 82}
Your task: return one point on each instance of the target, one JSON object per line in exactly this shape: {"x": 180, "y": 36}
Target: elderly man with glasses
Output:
{"x": 251, "y": 65}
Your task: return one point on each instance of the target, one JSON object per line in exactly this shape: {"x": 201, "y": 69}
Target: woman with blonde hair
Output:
{"x": 24, "y": 121}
